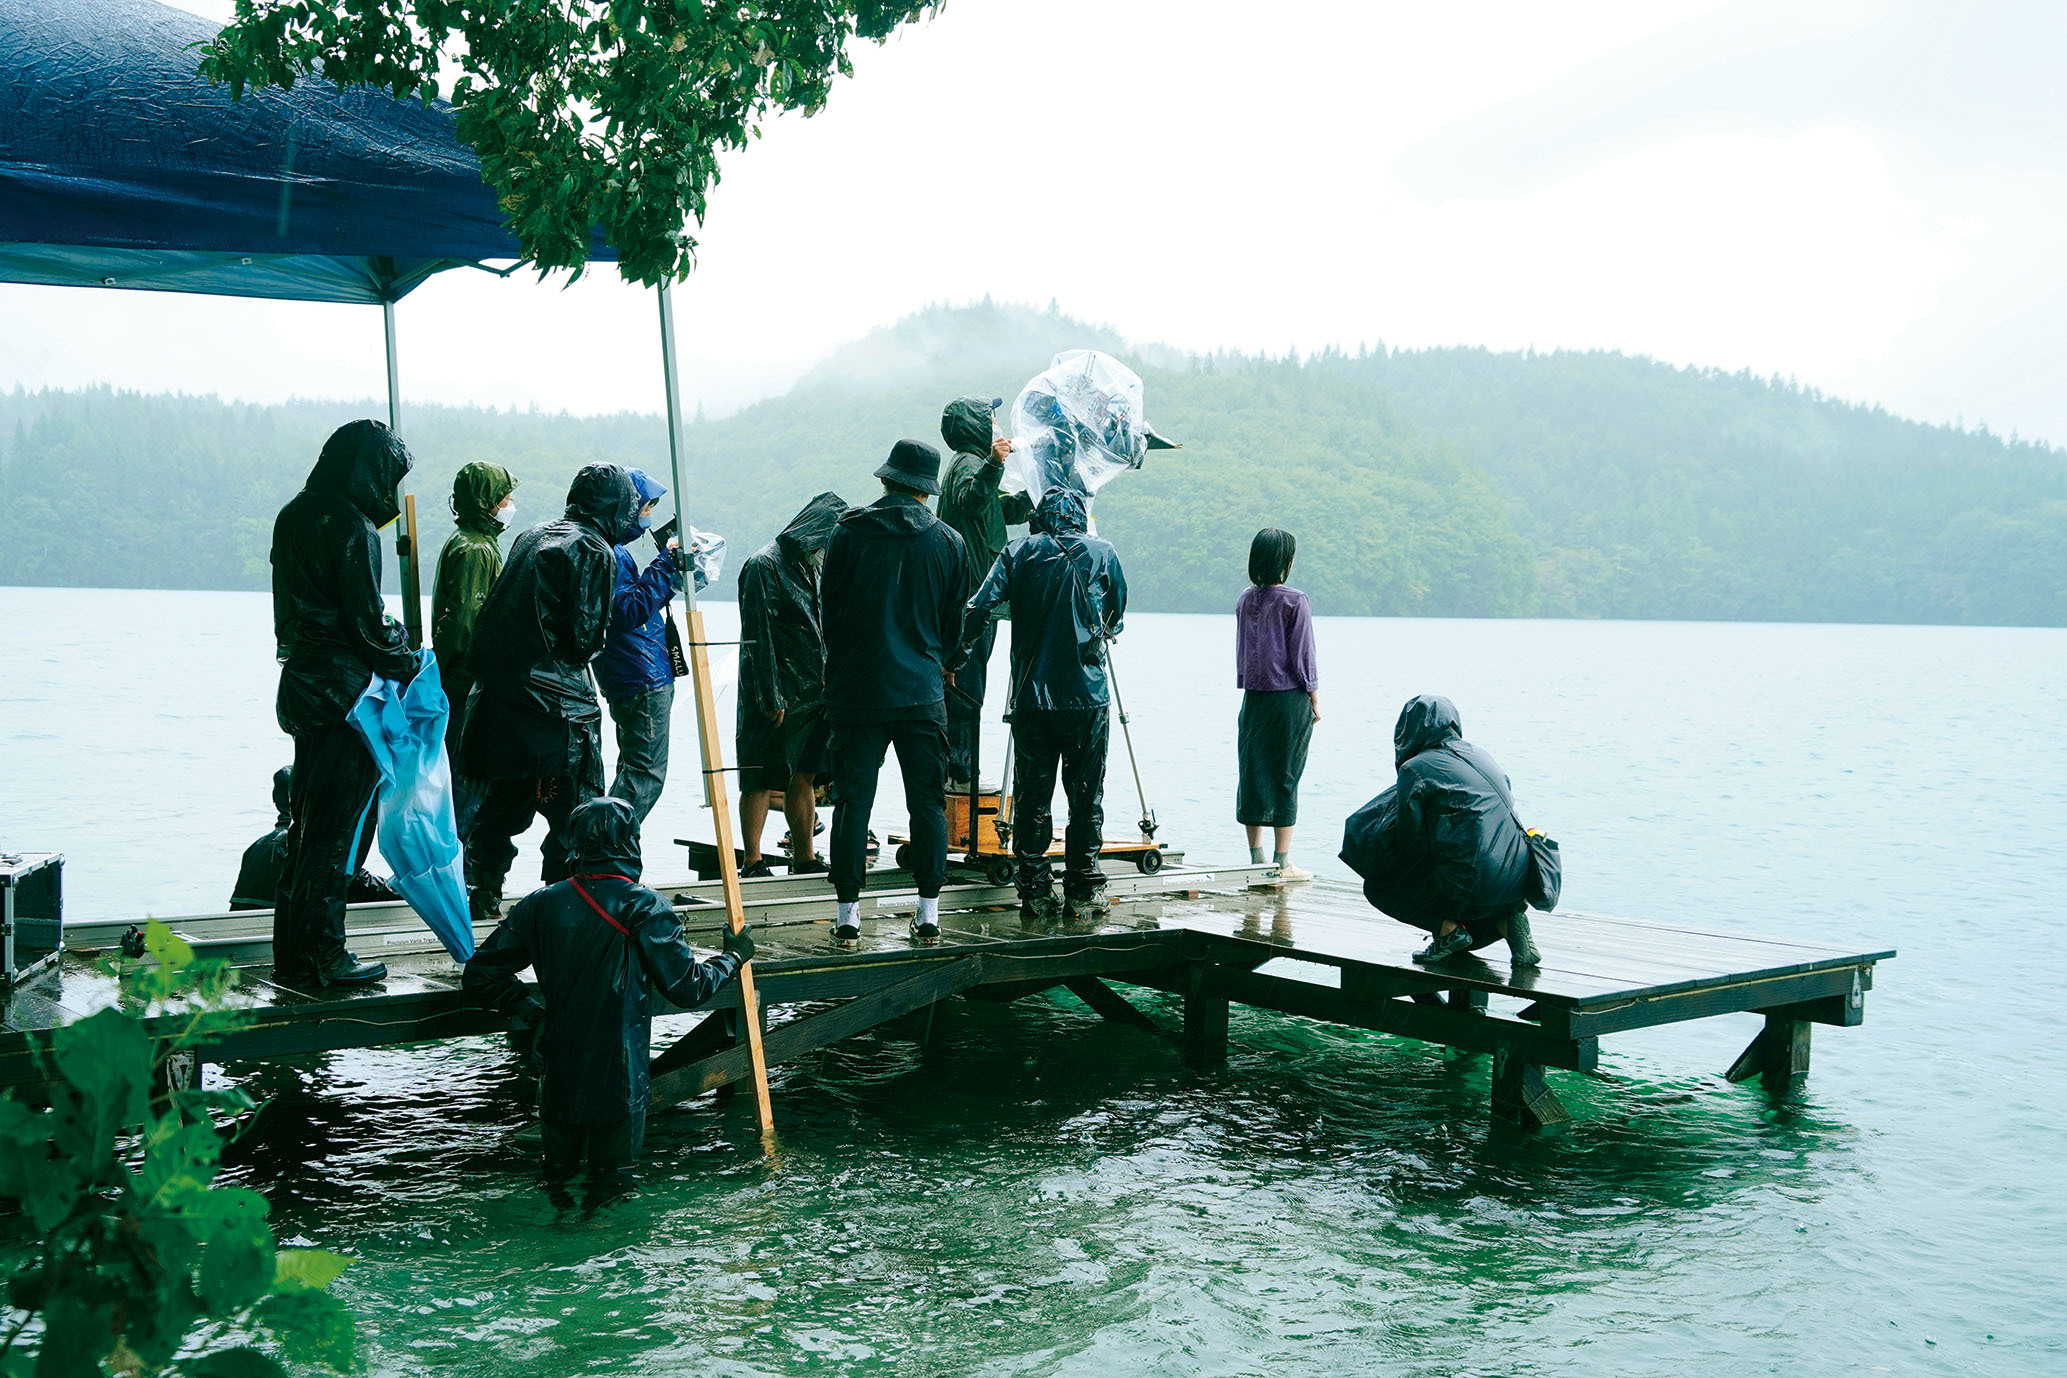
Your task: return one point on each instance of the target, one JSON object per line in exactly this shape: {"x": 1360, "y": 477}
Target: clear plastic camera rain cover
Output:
{"x": 1076, "y": 425}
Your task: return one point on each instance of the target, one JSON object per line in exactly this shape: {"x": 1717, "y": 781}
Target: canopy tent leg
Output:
{"x": 707, "y": 733}
{"x": 405, "y": 533}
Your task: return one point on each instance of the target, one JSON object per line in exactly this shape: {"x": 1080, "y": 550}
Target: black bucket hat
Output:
{"x": 913, "y": 463}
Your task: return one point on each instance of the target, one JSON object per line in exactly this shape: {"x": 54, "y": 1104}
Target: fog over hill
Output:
{"x": 1442, "y": 482}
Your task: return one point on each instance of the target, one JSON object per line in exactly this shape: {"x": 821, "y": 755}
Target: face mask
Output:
{"x": 506, "y": 513}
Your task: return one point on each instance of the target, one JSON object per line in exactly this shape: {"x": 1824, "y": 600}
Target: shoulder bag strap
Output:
{"x": 601, "y": 912}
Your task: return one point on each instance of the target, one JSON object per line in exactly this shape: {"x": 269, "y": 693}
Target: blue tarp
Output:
{"x": 404, "y": 728}
{"x": 121, "y": 167}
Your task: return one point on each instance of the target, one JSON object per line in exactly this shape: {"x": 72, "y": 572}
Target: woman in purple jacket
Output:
{"x": 1281, "y": 700}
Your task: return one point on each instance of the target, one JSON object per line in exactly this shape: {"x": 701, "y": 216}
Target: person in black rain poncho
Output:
{"x": 534, "y": 730}
{"x": 602, "y": 946}
{"x": 1442, "y": 849}
{"x": 265, "y": 861}
{"x": 894, "y": 585}
{"x": 333, "y": 636}
{"x": 781, "y": 736}
{"x": 1068, "y": 595}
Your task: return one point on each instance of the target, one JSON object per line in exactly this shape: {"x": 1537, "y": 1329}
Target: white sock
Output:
{"x": 929, "y": 910}
{"x": 850, "y": 914}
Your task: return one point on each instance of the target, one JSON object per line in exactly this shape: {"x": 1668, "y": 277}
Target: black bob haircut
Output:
{"x": 1270, "y": 556}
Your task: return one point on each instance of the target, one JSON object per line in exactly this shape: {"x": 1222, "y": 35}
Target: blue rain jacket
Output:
{"x": 634, "y": 659}
{"x": 404, "y": 728}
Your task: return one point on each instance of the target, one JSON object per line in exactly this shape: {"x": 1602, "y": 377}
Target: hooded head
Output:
{"x": 603, "y": 499}
{"x": 966, "y": 424}
{"x": 804, "y": 540}
{"x": 1061, "y": 513}
{"x": 1428, "y": 721}
{"x": 603, "y": 835}
{"x": 364, "y": 463}
{"x": 477, "y": 490}
{"x": 283, "y": 792}
{"x": 650, "y": 492}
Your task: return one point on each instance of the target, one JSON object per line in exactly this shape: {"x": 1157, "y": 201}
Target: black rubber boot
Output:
{"x": 353, "y": 972}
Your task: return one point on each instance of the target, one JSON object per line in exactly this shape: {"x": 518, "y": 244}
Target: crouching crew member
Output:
{"x": 333, "y": 635}
{"x": 634, "y": 671}
{"x": 265, "y": 862}
{"x": 893, "y": 590}
{"x": 534, "y": 732}
{"x": 1068, "y": 595}
{"x": 602, "y": 946}
{"x": 781, "y": 736}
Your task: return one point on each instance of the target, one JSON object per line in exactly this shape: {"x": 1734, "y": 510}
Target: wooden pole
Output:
{"x": 405, "y": 537}
{"x": 712, "y": 743}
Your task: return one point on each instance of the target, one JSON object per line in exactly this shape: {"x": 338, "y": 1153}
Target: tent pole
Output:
{"x": 405, "y": 535}
{"x": 708, "y": 734}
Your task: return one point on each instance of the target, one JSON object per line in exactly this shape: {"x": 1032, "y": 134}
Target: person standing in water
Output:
{"x": 1274, "y": 667}
{"x": 482, "y": 507}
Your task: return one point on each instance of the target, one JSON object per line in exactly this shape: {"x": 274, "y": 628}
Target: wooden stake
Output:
{"x": 412, "y": 578}
{"x": 728, "y": 863}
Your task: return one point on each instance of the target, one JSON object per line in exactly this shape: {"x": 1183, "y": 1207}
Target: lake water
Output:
{"x": 1029, "y": 1190}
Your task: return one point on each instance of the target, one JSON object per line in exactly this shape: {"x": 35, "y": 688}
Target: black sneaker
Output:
{"x": 1441, "y": 949}
{"x": 846, "y": 936}
{"x": 817, "y": 865}
{"x": 924, "y": 934}
{"x": 757, "y": 870}
{"x": 353, "y": 972}
{"x": 1521, "y": 944}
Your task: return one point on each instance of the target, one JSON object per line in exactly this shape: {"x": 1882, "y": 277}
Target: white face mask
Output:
{"x": 506, "y": 513}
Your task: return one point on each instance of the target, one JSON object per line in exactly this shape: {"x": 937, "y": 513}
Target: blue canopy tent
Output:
{"x": 120, "y": 166}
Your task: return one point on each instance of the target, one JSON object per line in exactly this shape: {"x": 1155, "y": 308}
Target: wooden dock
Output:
{"x": 1212, "y": 937}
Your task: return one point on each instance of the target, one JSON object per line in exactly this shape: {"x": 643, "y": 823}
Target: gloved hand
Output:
{"x": 525, "y": 1027}
{"x": 741, "y": 944}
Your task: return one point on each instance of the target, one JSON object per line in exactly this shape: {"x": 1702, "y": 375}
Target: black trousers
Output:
{"x": 611, "y": 1151}
{"x": 857, "y": 751}
{"x": 507, "y": 810}
{"x": 965, "y": 715}
{"x": 334, "y": 782}
{"x": 1074, "y": 739}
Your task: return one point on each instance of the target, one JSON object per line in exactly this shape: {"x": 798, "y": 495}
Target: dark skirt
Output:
{"x": 1270, "y": 747}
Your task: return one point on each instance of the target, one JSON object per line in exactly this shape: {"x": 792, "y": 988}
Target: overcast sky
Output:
{"x": 1865, "y": 195}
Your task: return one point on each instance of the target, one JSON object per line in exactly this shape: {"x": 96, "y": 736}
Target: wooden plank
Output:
{"x": 1109, "y": 1003}
{"x": 1648, "y": 1009}
{"x": 713, "y": 1033}
{"x": 800, "y": 1036}
{"x": 1429, "y": 1023}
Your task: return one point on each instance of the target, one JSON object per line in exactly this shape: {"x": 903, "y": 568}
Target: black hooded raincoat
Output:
{"x": 1071, "y": 595}
{"x": 534, "y": 710}
{"x": 782, "y": 655}
{"x": 893, "y": 589}
{"x": 332, "y": 631}
{"x": 1442, "y": 843}
{"x": 597, "y": 975}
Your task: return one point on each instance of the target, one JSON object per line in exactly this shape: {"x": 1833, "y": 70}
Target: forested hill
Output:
{"x": 1449, "y": 482}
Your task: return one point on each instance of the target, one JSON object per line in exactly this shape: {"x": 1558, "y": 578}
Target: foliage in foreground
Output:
{"x": 140, "y": 1264}
{"x": 607, "y": 113}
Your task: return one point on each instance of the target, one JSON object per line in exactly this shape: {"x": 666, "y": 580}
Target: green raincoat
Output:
{"x": 467, "y": 568}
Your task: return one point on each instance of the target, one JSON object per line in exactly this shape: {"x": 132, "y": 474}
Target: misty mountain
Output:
{"x": 1447, "y": 482}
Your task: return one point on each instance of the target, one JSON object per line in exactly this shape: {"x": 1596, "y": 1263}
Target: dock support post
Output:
{"x": 1779, "y": 1056}
{"x": 1205, "y": 1018}
{"x": 1521, "y": 1096}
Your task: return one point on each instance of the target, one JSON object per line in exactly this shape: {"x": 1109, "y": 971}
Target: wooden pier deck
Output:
{"x": 1211, "y": 937}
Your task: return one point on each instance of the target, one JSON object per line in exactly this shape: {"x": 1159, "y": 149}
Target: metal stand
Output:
{"x": 1148, "y": 815}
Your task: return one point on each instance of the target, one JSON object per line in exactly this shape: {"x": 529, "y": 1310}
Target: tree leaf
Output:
{"x": 303, "y": 1270}
{"x": 237, "y": 1266}
{"x": 170, "y": 950}
{"x": 107, "y": 1059}
{"x": 242, "y": 1362}
{"x": 312, "y": 1327}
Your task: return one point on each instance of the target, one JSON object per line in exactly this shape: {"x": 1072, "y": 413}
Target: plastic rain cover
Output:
{"x": 404, "y": 729}
{"x": 707, "y": 553}
{"x": 1076, "y": 425}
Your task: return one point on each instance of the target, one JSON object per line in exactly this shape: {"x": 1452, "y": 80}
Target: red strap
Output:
{"x": 600, "y": 911}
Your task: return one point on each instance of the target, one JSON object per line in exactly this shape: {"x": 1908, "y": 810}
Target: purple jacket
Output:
{"x": 1273, "y": 641}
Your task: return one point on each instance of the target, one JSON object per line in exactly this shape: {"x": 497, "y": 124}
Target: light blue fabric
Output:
{"x": 404, "y": 729}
